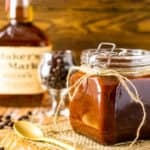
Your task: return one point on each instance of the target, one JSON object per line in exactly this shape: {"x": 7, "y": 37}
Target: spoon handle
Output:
{"x": 63, "y": 145}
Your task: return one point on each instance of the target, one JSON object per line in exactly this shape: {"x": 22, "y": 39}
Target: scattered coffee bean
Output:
{"x": 11, "y": 124}
{"x": 25, "y": 117}
{"x": 29, "y": 113}
{"x": 8, "y": 117}
{"x": 2, "y": 125}
{"x": 8, "y": 121}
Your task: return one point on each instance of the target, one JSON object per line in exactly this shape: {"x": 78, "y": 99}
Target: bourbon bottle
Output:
{"x": 21, "y": 47}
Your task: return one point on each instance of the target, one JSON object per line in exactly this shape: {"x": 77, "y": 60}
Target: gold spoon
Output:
{"x": 30, "y": 131}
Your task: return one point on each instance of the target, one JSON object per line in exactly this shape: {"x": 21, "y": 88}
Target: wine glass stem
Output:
{"x": 59, "y": 102}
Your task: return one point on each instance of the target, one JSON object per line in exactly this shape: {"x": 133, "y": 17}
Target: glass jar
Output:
{"x": 101, "y": 108}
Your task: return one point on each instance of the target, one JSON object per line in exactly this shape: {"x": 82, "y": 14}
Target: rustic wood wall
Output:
{"x": 80, "y": 24}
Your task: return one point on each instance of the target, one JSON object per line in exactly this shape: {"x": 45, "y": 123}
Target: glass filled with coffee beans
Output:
{"x": 53, "y": 71}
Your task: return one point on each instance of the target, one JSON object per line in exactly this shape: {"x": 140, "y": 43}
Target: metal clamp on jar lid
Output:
{"x": 105, "y": 52}
{"x": 126, "y": 61}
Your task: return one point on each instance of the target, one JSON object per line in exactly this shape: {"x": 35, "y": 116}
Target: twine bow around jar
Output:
{"x": 105, "y": 71}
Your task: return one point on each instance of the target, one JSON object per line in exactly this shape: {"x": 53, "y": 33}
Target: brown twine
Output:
{"x": 124, "y": 81}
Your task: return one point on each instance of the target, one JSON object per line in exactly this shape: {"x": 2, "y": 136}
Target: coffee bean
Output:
{"x": 54, "y": 70}
{"x": 6, "y": 122}
{"x": 10, "y": 124}
{"x": 53, "y": 78}
{"x": 59, "y": 61}
{"x": 8, "y": 117}
{"x": 1, "y": 148}
{"x": 29, "y": 113}
{"x": 25, "y": 117}
{"x": 2, "y": 125}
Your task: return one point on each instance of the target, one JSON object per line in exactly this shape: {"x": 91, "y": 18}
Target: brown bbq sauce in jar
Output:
{"x": 102, "y": 108}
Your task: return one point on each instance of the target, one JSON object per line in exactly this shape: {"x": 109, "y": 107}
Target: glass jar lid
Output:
{"x": 115, "y": 57}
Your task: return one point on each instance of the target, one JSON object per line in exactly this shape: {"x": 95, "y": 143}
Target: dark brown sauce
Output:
{"x": 114, "y": 117}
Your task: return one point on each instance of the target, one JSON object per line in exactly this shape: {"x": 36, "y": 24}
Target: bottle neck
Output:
{"x": 20, "y": 11}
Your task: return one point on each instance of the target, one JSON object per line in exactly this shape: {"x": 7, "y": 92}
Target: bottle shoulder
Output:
{"x": 23, "y": 34}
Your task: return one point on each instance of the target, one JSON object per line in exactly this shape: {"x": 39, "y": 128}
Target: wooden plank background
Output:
{"x": 81, "y": 24}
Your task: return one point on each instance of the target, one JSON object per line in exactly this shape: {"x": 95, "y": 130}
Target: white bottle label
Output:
{"x": 19, "y": 70}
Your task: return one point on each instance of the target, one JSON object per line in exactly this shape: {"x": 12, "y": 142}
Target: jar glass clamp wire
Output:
{"x": 106, "y": 53}
{"x": 109, "y": 88}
